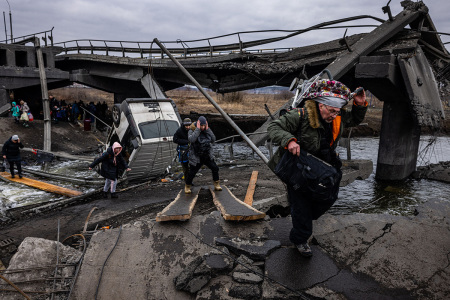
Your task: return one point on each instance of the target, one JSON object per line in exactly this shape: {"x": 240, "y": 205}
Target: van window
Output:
{"x": 158, "y": 128}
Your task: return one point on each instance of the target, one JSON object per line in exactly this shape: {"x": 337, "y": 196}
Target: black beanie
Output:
{"x": 202, "y": 120}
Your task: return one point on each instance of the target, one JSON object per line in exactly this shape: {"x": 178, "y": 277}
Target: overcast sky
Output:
{"x": 143, "y": 20}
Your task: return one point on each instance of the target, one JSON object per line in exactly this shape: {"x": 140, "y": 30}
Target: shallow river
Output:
{"x": 371, "y": 196}
{"x": 367, "y": 196}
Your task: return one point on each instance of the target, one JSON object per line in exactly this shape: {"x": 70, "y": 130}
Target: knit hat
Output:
{"x": 15, "y": 137}
{"x": 187, "y": 122}
{"x": 329, "y": 92}
{"x": 202, "y": 120}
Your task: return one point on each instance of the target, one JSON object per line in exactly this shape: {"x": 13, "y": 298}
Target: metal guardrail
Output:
{"x": 29, "y": 38}
{"x": 187, "y": 48}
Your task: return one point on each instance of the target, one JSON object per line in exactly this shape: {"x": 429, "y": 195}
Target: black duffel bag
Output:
{"x": 310, "y": 174}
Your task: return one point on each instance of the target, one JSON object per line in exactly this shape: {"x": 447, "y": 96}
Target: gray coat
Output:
{"x": 194, "y": 135}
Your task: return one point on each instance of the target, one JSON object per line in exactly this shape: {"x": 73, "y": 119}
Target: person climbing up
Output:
{"x": 111, "y": 160}
{"x": 200, "y": 153}
{"x": 11, "y": 152}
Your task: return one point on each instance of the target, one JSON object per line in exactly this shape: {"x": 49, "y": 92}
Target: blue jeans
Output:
{"x": 112, "y": 183}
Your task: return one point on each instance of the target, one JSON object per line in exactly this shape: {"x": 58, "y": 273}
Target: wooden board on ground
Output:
{"x": 41, "y": 185}
{"x": 232, "y": 208}
{"x": 181, "y": 208}
{"x": 251, "y": 188}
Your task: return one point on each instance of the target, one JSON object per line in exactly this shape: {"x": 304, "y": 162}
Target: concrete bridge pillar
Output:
{"x": 400, "y": 132}
{"x": 399, "y": 142}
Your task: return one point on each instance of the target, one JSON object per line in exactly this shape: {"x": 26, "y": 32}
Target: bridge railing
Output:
{"x": 189, "y": 48}
{"x": 46, "y": 36}
{"x": 146, "y": 49}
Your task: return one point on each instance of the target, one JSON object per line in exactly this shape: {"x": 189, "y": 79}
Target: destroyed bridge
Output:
{"x": 401, "y": 61}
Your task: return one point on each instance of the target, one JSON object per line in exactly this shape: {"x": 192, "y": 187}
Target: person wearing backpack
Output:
{"x": 15, "y": 110}
{"x": 316, "y": 127}
{"x": 200, "y": 153}
{"x": 111, "y": 161}
{"x": 181, "y": 138}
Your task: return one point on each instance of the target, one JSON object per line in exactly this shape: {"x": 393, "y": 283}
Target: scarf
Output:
{"x": 116, "y": 145}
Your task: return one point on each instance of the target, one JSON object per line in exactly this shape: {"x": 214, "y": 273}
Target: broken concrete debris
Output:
{"x": 255, "y": 249}
{"x": 203, "y": 268}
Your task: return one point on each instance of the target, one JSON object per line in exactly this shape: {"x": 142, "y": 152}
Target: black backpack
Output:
{"x": 309, "y": 174}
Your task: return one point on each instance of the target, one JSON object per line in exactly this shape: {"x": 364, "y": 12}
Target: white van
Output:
{"x": 145, "y": 128}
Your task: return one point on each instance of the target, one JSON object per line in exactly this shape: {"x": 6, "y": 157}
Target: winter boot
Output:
{"x": 105, "y": 195}
{"x": 114, "y": 195}
{"x": 187, "y": 188}
{"x": 217, "y": 186}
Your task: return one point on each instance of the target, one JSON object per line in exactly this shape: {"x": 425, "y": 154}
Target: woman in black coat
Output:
{"x": 110, "y": 161}
{"x": 11, "y": 152}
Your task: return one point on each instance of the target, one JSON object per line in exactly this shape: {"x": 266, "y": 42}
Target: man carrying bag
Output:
{"x": 306, "y": 159}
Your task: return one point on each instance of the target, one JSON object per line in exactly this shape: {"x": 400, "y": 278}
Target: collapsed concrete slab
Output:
{"x": 33, "y": 267}
{"x": 355, "y": 256}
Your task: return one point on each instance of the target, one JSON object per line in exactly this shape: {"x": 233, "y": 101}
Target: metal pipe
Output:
{"x": 6, "y": 33}
{"x": 10, "y": 22}
{"x": 95, "y": 117}
{"x": 222, "y": 112}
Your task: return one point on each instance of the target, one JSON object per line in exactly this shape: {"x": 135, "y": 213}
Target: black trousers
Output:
{"x": 204, "y": 160}
{"x": 18, "y": 164}
{"x": 185, "y": 166}
{"x": 305, "y": 209}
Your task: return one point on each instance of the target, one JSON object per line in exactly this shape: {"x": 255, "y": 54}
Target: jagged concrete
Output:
{"x": 34, "y": 264}
{"x": 355, "y": 256}
{"x": 439, "y": 172}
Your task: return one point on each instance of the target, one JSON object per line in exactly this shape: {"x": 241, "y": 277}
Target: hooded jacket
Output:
{"x": 110, "y": 163}
{"x": 195, "y": 137}
{"x": 286, "y": 129}
{"x": 15, "y": 110}
{"x": 12, "y": 150}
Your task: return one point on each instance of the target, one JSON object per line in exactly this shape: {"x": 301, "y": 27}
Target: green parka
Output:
{"x": 285, "y": 129}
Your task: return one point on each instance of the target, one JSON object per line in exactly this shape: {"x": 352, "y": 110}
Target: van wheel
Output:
{"x": 116, "y": 114}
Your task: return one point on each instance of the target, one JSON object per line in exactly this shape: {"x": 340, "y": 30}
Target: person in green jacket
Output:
{"x": 15, "y": 110}
{"x": 315, "y": 127}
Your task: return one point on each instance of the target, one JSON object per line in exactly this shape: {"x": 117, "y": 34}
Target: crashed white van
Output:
{"x": 145, "y": 128}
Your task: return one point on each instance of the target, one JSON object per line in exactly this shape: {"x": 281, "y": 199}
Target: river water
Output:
{"x": 368, "y": 196}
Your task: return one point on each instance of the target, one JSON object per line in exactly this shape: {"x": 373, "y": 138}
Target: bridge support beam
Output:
{"x": 399, "y": 142}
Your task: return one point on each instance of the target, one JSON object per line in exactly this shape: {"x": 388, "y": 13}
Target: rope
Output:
{"x": 104, "y": 264}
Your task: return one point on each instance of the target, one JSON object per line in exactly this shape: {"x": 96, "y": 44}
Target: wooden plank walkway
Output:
{"x": 181, "y": 208}
{"x": 232, "y": 208}
{"x": 41, "y": 185}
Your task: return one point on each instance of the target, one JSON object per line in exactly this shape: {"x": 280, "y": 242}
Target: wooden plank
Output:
{"x": 233, "y": 209}
{"x": 41, "y": 185}
{"x": 181, "y": 208}
{"x": 251, "y": 188}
